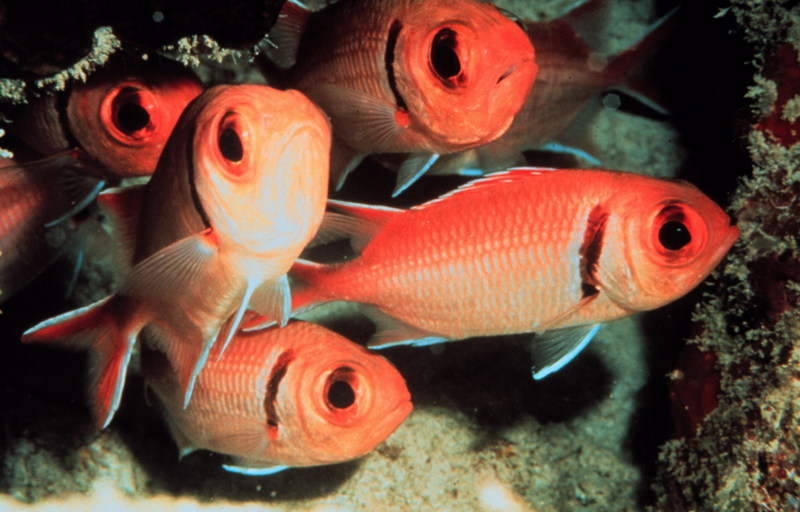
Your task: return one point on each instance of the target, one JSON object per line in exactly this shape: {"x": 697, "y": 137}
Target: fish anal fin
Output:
{"x": 109, "y": 330}
{"x": 552, "y": 350}
{"x": 359, "y": 222}
{"x": 122, "y": 205}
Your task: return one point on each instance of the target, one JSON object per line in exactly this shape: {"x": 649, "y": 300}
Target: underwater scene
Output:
{"x": 400, "y": 255}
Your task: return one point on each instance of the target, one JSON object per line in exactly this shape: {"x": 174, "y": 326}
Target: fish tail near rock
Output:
{"x": 109, "y": 339}
{"x": 306, "y": 290}
{"x": 630, "y": 70}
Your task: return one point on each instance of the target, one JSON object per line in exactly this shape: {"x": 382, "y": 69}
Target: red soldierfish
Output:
{"x": 426, "y": 77}
{"x": 239, "y": 191}
{"x": 528, "y": 250}
{"x": 120, "y": 119}
{"x": 559, "y": 106}
{"x": 300, "y": 395}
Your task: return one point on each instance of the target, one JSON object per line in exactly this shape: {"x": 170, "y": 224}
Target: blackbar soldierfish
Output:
{"x": 558, "y": 111}
{"x": 117, "y": 122}
{"x": 528, "y": 250}
{"x": 426, "y": 77}
{"x": 239, "y": 191}
{"x": 300, "y": 395}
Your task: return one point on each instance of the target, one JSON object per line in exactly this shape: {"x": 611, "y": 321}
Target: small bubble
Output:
{"x": 158, "y": 16}
{"x": 611, "y": 101}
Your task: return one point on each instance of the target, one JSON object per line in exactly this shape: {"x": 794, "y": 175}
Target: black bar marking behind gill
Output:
{"x": 388, "y": 60}
{"x": 274, "y": 381}
{"x": 591, "y": 248}
{"x": 198, "y": 206}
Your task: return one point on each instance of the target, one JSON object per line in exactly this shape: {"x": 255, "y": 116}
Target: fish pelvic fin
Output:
{"x": 552, "y": 350}
{"x": 629, "y": 70}
{"x": 108, "y": 335}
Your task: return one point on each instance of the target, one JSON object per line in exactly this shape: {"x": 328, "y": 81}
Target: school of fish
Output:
{"x": 238, "y": 181}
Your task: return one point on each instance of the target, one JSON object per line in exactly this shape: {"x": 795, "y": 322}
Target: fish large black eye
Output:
{"x": 341, "y": 395}
{"x": 230, "y": 145}
{"x": 444, "y": 59}
{"x": 674, "y": 235}
{"x": 129, "y": 113}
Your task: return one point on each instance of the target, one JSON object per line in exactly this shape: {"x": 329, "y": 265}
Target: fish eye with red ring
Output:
{"x": 132, "y": 112}
{"x": 444, "y": 59}
{"x": 679, "y": 232}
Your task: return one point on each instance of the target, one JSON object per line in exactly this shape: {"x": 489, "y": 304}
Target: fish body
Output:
{"x": 300, "y": 395}
{"x": 119, "y": 119}
{"x": 238, "y": 192}
{"x": 528, "y": 250}
{"x": 571, "y": 75}
{"x": 413, "y": 76}
{"x": 31, "y": 235}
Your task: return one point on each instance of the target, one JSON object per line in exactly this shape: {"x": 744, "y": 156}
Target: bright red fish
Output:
{"x": 528, "y": 250}
{"x": 300, "y": 395}
{"x": 120, "y": 119}
{"x": 412, "y": 76}
{"x": 559, "y": 107}
{"x": 239, "y": 191}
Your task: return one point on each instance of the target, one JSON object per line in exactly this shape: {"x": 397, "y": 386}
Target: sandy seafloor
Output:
{"x": 483, "y": 436}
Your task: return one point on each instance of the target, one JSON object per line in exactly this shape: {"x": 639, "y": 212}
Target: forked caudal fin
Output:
{"x": 110, "y": 343}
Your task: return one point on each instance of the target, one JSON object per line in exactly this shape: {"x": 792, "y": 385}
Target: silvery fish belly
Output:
{"x": 300, "y": 395}
{"x": 419, "y": 76}
{"x": 239, "y": 191}
{"x": 528, "y": 250}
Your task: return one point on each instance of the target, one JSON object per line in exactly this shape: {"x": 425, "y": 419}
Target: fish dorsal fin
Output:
{"x": 412, "y": 169}
{"x": 552, "y": 350}
{"x": 490, "y": 181}
{"x": 369, "y": 120}
{"x": 359, "y": 222}
{"x": 252, "y": 467}
{"x": 285, "y": 36}
{"x": 587, "y": 19}
{"x": 123, "y": 207}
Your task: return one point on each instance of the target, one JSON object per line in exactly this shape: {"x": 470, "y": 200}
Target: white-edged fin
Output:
{"x": 253, "y": 470}
{"x": 463, "y": 163}
{"x": 122, "y": 206}
{"x": 555, "y": 147}
{"x": 390, "y": 332}
{"x": 411, "y": 169}
{"x": 552, "y": 350}
{"x": 79, "y": 202}
{"x": 359, "y": 222}
{"x": 367, "y": 119}
{"x": 233, "y": 326}
{"x": 273, "y": 300}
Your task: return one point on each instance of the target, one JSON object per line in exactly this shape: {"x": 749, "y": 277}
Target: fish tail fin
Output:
{"x": 630, "y": 68}
{"x": 306, "y": 292}
{"x": 109, "y": 341}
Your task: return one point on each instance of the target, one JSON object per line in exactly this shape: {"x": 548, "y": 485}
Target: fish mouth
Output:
{"x": 395, "y": 418}
{"x": 727, "y": 243}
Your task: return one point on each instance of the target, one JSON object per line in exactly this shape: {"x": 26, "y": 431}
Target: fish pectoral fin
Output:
{"x": 552, "y": 350}
{"x": 369, "y": 120}
{"x": 411, "y": 169}
{"x": 252, "y": 467}
{"x": 122, "y": 206}
{"x": 273, "y": 300}
{"x": 390, "y": 332}
{"x": 358, "y": 222}
{"x": 110, "y": 342}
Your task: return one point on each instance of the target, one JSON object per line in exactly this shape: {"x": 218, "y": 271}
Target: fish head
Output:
{"x": 123, "y": 117}
{"x": 337, "y": 401}
{"x": 260, "y": 163}
{"x": 662, "y": 241}
{"x": 463, "y": 70}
